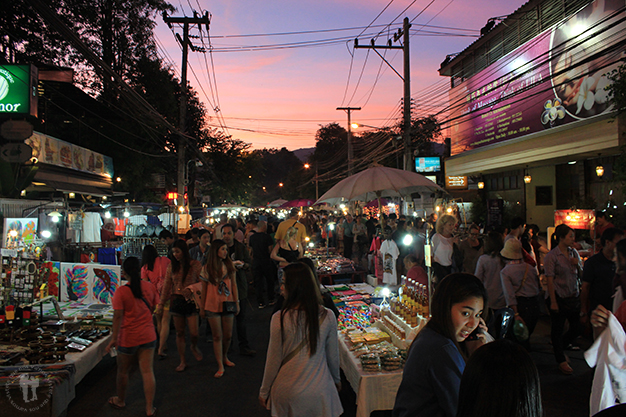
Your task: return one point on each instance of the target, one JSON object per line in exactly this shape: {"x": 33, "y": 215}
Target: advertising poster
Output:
{"x": 53, "y": 151}
{"x": 556, "y": 78}
{"x": 19, "y": 232}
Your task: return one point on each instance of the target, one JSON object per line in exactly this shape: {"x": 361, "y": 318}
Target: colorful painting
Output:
{"x": 19, "y": 231}
{"x": 74, "y": 282}
{"x": 89, "y": 283}
{"x": 106, "y": 281}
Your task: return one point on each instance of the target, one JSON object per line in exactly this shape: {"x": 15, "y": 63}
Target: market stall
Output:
{"x": 332, "y": 267}
{"x": 42, "y": 361}
{"x": 373, "y": 340}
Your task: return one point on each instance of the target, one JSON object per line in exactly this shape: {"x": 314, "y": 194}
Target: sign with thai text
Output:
{"x": 458, "y": 183}
{"x": 556, "y": 78}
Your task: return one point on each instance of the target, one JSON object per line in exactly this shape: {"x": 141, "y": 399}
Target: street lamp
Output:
{"x": 316, "y": 179}
{"x": 198, "y": 164}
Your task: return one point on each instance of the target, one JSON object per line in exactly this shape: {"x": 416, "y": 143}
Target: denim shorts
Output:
{"x": 179, "y": 306}
{"x": 210, "y": 314}
{"x": 132, "y": 350}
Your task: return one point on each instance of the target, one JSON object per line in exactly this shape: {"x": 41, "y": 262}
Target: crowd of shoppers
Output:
{"x": 447, "y": 372}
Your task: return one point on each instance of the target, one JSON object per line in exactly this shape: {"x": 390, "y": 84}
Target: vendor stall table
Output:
{"x": 64, "y": 377}
{"x": 374, "y": 390}
{"x": 355, "y": 276}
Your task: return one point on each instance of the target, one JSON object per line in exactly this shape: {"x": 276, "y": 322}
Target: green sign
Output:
{"x": 18, "y": 90}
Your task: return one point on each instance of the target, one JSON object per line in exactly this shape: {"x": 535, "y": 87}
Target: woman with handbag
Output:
{"x": 153, "y": 269}
{"x": 562, "y": 267}
{"x": 521, "y": 287}
{"x": 181, "y": 273}
{"x": 301, "y": 375}
{"x": 133, "y": 333}
{"x": 437, "y": 356}
{"x": 219, "y": 301}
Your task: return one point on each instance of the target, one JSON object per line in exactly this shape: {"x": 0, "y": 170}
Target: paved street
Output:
{"x": 196, "y": 393}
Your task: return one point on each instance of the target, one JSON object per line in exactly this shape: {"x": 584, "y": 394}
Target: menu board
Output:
{"x": 50, "y": 150}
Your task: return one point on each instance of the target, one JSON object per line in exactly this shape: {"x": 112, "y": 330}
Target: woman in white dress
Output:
{"x": 301, "y": 375}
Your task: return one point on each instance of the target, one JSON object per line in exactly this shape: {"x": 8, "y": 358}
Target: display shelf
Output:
{"x": 409, "y": 331}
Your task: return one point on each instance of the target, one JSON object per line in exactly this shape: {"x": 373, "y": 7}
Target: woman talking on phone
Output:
{"x": 436, "y": 360}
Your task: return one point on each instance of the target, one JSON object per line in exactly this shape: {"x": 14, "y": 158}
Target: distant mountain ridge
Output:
{"x": 303, "y": 153}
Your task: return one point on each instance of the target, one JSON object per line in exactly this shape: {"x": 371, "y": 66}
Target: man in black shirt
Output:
{"x": 598, "y": 274}
{"x": 263, "y": 269}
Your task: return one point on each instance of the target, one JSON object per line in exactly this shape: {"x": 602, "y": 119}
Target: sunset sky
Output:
{"x": 279, "y": 96}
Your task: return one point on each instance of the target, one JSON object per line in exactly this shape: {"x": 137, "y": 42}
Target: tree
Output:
{"x": 424, "y": 131}
{"x": 330, "y": 155}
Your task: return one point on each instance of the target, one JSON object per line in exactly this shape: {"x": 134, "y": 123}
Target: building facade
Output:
{"x": 528, "y": 109}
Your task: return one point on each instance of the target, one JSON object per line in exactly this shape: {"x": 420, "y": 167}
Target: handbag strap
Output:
{"x": 297, "y": 350}
{"x": 523, "y": 280}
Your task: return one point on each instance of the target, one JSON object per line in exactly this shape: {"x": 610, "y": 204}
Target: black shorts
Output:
{"x": 179, "y": 306}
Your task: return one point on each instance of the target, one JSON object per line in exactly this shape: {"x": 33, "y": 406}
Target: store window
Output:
{"x": 543, "y": 195}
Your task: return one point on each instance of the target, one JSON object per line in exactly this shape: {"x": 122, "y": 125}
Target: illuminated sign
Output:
{"x": 428, "y": 164}
{"x": 458, "y": 183}
{"x": 18, "y": 90}
{"x": 576, "y": 219}
{"x": 172, "y": 196}
{"x": 53, "y": 151}
{"x": 558, "y": 77}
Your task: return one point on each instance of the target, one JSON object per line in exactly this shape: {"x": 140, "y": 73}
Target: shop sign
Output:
{"x": 456, "y": 183}
{"x": 18, "y": 90}
{"x": 495, "y": 208}
{"x": 556, "y": 78}
{"x": 53, "y": 151}
{"x": 16, "y": 130}
{"x": 576, "y": 219}
{"x": 16, "y": 152}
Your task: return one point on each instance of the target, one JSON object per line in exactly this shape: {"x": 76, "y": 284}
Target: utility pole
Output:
{"x": 185, "y": 43}
{"x": 350, "y": 156}
{"x": 404, "y": 34}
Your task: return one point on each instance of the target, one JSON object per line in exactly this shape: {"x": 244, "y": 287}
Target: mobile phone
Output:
{"x": 474, "y": 335}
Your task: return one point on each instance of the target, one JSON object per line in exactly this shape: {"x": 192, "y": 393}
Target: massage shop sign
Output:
{"x": 556, "y": 78}
{"x": 18, "y": 90}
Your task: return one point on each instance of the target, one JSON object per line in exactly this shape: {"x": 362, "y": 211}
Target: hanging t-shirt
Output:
{"x": 390, "y": 253}
{"x": 92, "y": 224}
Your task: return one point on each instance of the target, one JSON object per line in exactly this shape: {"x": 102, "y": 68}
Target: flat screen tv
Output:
{"x": 428, "y": 164}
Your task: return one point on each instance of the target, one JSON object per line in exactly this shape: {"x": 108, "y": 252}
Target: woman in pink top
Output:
{"x": 182, "y": 272}
{"x": 153, "y": 269}
{"x": 133, "y": 333}
{"x": 219, "y": 285}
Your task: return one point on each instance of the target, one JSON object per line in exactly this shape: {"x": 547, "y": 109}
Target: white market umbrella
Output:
{"x": 377, "y": 182}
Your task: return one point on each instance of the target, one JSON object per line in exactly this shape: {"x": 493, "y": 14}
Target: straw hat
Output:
{"x": 512, "y": 249}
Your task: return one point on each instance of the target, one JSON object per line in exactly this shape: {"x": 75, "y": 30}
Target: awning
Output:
{"x": 49, "y": 185}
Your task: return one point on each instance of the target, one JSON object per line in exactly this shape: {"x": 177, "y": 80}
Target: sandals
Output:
{"x": 219, "y": 374}
{"x": 114, "y": 404}
{"x": 154, "y": 411}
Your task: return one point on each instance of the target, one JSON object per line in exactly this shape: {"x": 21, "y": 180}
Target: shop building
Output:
{"x": 528, "y": 109}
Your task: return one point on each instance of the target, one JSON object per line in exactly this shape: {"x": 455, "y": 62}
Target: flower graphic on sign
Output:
{"x": 552, "y": 111}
